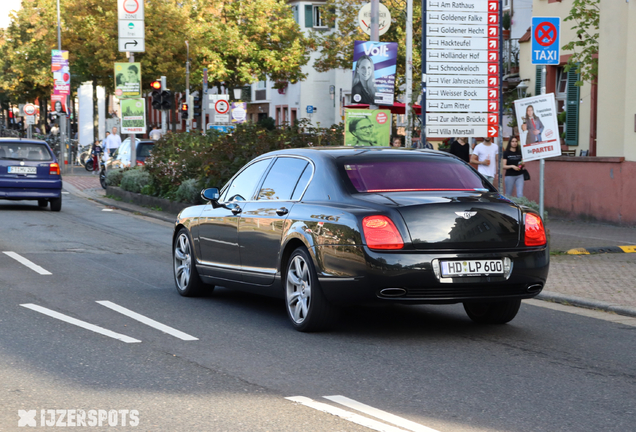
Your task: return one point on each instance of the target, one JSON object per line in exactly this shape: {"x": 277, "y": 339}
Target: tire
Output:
{"x": 89, "y": 165}
{"x": 42, "y": 203}
{"x": 496, "y": 312}
{"x": 102, "y": 178}
{"x": 307, "y": 308}
{"x": 56, "y": 204}
{"x": 186, "y": 276}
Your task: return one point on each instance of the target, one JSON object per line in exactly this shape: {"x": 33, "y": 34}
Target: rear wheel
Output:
{"x": 43, "y": 203}
{"x": 56, "y": 204}
{"x": 186, "y": 276}
{"x": 102, "y": 178}
{"x": 307, "y": 307}
{"x": 89, "y": 165}
{"x": 496, "y": 312}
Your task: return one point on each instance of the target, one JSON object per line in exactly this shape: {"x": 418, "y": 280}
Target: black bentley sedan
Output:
{"x": 327, "y": 227}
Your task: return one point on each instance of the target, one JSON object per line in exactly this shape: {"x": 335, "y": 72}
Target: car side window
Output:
{"x": 302, "y": 183}
{"x": 282, "y": 178}
{"x": 243, "y": 186}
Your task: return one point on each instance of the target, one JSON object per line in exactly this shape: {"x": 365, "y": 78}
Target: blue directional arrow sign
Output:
{"x": 545, "y": 40}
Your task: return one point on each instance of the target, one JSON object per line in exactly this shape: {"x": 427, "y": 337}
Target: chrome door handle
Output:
{"x": 282, "y": 211}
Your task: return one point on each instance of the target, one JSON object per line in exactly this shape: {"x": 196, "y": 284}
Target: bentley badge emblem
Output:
{"x": 466, "y": 214}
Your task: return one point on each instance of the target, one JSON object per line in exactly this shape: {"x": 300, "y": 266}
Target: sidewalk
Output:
{"x": 605, "y": 281}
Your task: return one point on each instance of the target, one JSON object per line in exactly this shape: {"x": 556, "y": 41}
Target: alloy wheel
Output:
{"x": 182, "y": 261}
{"x": 298, "y": 289}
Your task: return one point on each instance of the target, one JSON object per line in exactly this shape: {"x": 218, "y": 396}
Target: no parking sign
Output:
{"x": 545, "y": 40}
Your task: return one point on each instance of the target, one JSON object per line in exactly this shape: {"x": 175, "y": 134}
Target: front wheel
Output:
{"x": 102, "y": 178}
{"x": 495, "y": 312}
{"x": 307, "y": 307}
{"x": 186, "y": 276}
{"x": 89, "y": 165}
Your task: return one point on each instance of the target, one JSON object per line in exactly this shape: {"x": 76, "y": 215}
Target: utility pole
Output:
{"x": 409, "y": 74}
{"x": 164, "y": 114}
{"x": 375, "y": 31}
{"x": 61, "y": 118}
{"x": 423, "y": 101}
{"x": 188, "y": 120}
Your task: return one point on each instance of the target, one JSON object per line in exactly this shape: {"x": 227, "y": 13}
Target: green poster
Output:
{"x": 128, "y": 80}
{"x": 365, "y": 127}
{"x": 133, "y": 116}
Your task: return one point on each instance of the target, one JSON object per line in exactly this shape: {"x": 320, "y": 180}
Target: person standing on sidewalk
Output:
{"x": 96, "y": 151}
{"x": 461, "y": 149}
{"x": 113, "y": 141}
{"x": 485, "y": 157}
{"x": 513, "y": 164}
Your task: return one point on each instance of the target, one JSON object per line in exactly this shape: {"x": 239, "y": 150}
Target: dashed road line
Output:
{"x": 22, "y": 260}
{"x": 80, "y": 323}
{"x": 382, "y": 415}
{"x": 349, "y": 416}
{"x": 148, "y": 321}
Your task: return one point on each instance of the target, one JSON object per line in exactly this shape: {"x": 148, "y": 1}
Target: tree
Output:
{"x": 585, "y": 14}
{"x": 336, "y": 47}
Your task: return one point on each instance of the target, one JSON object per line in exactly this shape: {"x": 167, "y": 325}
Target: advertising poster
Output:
{"x": 538, "y": 127}
{"x": 58, "y": 103}
{"x": 128, "y": 80}
{"x": 374, "y": 72}
{"x": 239, "y": 112}
{"x": 365, "y": 127}
{"x": 133, "y": 116}
{"x": 61, "y": 72}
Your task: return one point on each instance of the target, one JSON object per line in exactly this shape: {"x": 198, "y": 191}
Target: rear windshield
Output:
{"x": 143, "y": 150}
{"x": 414, "y": 174}
{"x": 25, "y": 152}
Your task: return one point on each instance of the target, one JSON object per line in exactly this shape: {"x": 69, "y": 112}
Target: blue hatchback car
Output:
{"x": 29, "y": 171}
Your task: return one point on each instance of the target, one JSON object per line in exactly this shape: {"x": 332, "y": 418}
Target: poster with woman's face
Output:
{"x": 58, "y": 103}
{"x": 128, "y": 80}
{"x": 365, "y": 127}
{"x": 538, "y": 127}
{"x": 374, "y": 72}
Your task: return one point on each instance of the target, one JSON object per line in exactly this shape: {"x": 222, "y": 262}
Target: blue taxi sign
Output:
{"x": 545, "y": 40}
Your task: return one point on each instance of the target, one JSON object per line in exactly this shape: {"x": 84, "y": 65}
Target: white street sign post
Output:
{"x": 364, "y": 19}
{"x": 461, "y": 131}
{"x": 132, "y": 29}
{"x": 452, "y": 119}
{"x": 131, "y": 26}
{"x": 222, "y": 106}
{"x": 460, "y": 6}
{"x": 473, "y": 68}
{"x": 467, "y": 106}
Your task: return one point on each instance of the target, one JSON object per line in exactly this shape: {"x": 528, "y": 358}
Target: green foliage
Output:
{"x": 506, "y": 21}
{"x": 113, "y": 177}
{"x": 585, "y": 14}
{"x": 213, "y": 159}
{"x": 525, "y": 202}
{"x": 134, "y": 180}
{"x": 267, "y": 123}
{"x": 189, "y": 191}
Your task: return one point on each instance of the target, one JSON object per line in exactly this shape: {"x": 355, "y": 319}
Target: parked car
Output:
{"x": 325, "y": 227}
{"x": 121, "y": 157}
{"x": 30, "y": 171}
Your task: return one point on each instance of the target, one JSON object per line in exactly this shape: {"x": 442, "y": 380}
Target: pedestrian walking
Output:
{"x": 513, "y": 164}
{"x": 96, "y": 151}
{"x": 485, "y": 157}
{"x": 155, "y": 133}
{"x": 113, "y": 141}
{"x": 461, "y": 149}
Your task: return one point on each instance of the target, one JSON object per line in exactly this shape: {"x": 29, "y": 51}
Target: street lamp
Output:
{"x": 521, "y": 89}
{"x": 237, "y": 93}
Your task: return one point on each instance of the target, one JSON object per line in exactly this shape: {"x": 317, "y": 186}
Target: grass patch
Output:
{"x": 113, "y": 197}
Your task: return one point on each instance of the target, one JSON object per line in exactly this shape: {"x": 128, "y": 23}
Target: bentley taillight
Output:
{"x": 534, "y": 233}
{"x": 381, "y": 233}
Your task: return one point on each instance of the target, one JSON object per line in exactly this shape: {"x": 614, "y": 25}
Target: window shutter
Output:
{"x": 295, "y": 12}
{"x": 572, "y": 104}
{"x": 309, "y": 16}
{"x": 537, "y": 82}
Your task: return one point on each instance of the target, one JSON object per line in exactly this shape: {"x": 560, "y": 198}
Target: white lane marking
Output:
{"x": 382, "y": 415}
{"x": 26, "y": 262}
{"x": 145, "y": 320}
{"x": 79, "y": 323}
{"x": 65, "y": 193}
{"x": 591, "y": 313}
{"x": 352, "y": 417}
{"x": 107, "y": 209}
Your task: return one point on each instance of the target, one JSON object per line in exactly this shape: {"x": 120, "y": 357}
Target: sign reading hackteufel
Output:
{"x": 462, "y": 68}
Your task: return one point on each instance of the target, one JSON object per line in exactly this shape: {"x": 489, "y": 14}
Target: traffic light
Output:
{"x": 167, "y": 100}
{"x": 196, "y": 107}
{"x": 184, "y": 111}
{"x": 156, "y": 94}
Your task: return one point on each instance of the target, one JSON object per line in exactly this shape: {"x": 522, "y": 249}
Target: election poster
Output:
{"x": 365, "y": 127}
{"x": 374, "y": 72}
{"x": 538, "y": 127}
{"x": 239, "y": 112}
{"x": 61, "y": 72}
{"x": 128, "y": 80}
{"x": 58, "y": 104}
{"x": 133, "y": 116}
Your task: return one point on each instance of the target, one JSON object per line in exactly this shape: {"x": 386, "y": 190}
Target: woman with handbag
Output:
{"x": 513, "y": 164}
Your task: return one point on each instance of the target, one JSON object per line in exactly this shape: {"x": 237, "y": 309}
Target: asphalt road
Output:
{"x": 414, "y": 368}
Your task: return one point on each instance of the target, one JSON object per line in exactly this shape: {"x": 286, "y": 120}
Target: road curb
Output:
{"x": 133, "y": 209}
{"x": 587, "y": 303}
{"x": 604, "y": 249}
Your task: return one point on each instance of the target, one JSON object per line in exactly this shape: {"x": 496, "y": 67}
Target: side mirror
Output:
{"x": 211, "y": 194}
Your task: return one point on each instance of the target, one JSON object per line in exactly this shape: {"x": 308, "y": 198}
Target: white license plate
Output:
{"x": 472, "y": 268}
{"x": 22, "y": 170}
